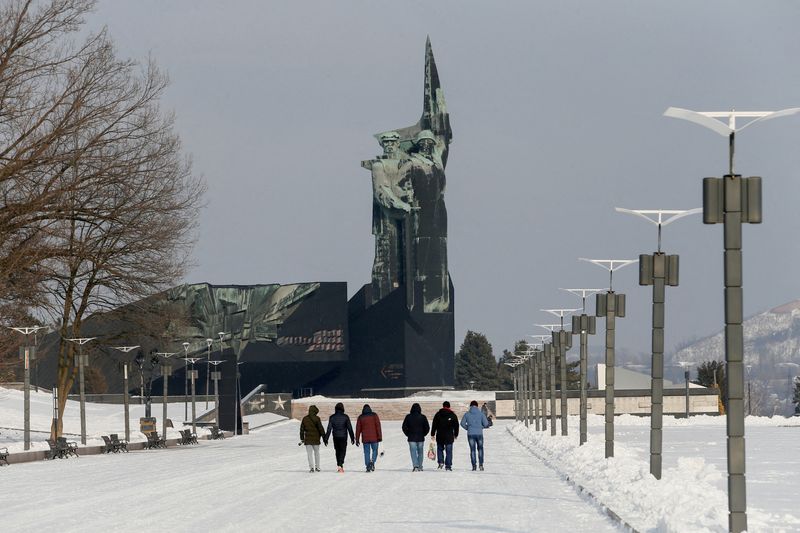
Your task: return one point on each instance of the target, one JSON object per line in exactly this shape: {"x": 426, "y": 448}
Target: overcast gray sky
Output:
{"x": 556, "y": 114}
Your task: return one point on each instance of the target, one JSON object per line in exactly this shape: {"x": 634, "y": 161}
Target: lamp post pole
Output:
{"x": 186, "y": 381}
{"x": 28, "y": 354}
{"x": 550, "y": 353}
{"x": 81, "y": 361}
{"x": 658, "y": 270}
{"x": 611, "y": 306}
{"x": 166, "y": 372}
{"x": 514, "y": 381}
{"x": 584, "y": 325}
{"x": 562, "y": 339}
{"x": 125, "y": 399}
{"x": 732, "y": 200}
{"x": 538, "y": 385}
{"x": 193, "y": 378}
{"x": 209, "y": 342}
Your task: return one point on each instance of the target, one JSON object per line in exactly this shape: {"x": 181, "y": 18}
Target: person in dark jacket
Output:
{"x": 311, "y": 431}
{"x": 339, "y": 425}
{"x": 445, "y": 429}
{"x": 368, "y": 431}
{"x": 416, "y": 427}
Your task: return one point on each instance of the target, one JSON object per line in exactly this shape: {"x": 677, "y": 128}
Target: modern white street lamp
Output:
{"x": 562, "y": 342}
{"x": 125, "y": 398}
{"x": 610, "y": 305}
{"x": 584, "y": 325}
{"x": 166, "y": 372}
{"x": 28, "y": 354}
{"x": 658, "y": 270}
{"x": 732, "y": 200}
{"x": 82, "y": 361}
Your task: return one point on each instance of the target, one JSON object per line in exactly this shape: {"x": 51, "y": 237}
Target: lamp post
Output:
{"x": 125, "y": 399}
{"x": 514, "y": 381}
{"x": 166, "y": 372}
{"x": 186, "y": 381}
{"x": 732, "y": 200}
{"x": 81, "y": 361}
{"x": 537, "y": 386}
{"x": 539, "y": 379}
{"x": 562, "y": 340}
{"x": 748, "y": 369}
{"x": 550, "y": 354}
{"x": 658, "y": 270}
{"x": 27, "y": 353}
{"x": 584, "y": 325}
{"x": 611, "y": 306}
{"x": 209, "y": 342}
{"x": 686, "y": 365}
{"x": 532, "y": 373}
{"x": 192, "y": 374}
{"x": 216, "y": 375}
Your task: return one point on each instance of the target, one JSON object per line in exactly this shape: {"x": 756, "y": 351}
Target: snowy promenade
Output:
{"x": 260, "y": 482}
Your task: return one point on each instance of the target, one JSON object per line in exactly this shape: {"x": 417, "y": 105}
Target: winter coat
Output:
{"x": 445, "y": 426}
{"x": 339, "y": 424}
{"x": 415, "y": 425}
{"x": 368, "y": 427}
{"x": 311, "y": 430}
{"x": 474, "y": 421}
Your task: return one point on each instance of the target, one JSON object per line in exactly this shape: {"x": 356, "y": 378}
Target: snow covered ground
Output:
{"x": 260, "y": 481}
{"x": 691, "y": 495}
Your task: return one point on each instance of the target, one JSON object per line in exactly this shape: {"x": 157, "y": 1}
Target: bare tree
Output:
{"x": 93, "y": 180}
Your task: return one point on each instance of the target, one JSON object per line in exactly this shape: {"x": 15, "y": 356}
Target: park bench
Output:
{"x": 69, "y": 447}
{"x": 216, "y": 433}
{"x": 3, "y": 456}
{"x": 154, "y": 441}
{"x": 119, "y": 445}
{"x": 108, "y": 445}
{"x": 61, "y": 448}
{"x": 187, "y": 437}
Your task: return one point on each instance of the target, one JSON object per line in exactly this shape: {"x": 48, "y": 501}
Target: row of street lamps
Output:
{"x": 730, "y": 200}
{"x": 28, "y": 355}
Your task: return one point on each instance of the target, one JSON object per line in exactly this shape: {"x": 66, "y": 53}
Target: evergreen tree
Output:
{"x": 712, "y": 374}
{"x": 796, "y": 395}
{"x": 475, "y": 362}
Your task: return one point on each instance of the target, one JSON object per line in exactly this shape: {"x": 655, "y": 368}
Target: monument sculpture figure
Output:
{"x": 409, "y": 214}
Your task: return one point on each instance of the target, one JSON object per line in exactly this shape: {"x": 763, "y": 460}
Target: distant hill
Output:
{"x": 770, "y": 338}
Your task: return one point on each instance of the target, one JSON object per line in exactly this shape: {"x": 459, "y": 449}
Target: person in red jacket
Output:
{"x": 368, "y": 431}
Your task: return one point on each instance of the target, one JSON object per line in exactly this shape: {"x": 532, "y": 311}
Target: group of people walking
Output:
{"x": 444, "y": 430}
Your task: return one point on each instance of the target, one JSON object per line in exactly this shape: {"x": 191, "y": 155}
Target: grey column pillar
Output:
{"x": 524, "y": 406}
{"x": 26, "y": 432}
{"x": 516, "y": 399}
{"x": 562, "y": 360}
{"x": 543, "y": 384}
{"x": 82, "y": 390}
{"x": 529, "y": 375}
{"x": 610, "y": 305}
{"x": 658, "y": 270}
{"x": 126, "y": 401}
{"x": 734, "y": 200}
{"x": 550, "y": 351}
{"x": 583, "y": 404}
{"x": 536, "y": 391}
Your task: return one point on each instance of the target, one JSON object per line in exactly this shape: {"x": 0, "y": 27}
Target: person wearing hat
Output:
{"x": 474, "y": 422}
{"x": 445, "y": 430}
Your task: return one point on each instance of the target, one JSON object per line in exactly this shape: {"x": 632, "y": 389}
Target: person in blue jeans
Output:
{"x": 416, "y": 427}
{"x": 445, "y": 430}
{"x": 368, "y": 430}
{"x": 474, "y": 422}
